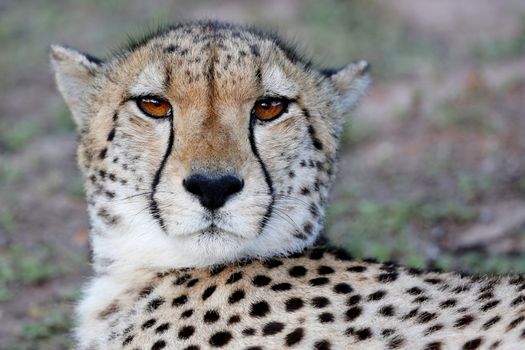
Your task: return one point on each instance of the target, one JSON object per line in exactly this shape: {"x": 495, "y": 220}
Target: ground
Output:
{"x": 432, "y": 167}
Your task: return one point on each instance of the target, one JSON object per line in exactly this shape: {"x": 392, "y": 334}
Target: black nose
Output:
{"x": 213, "y": 191}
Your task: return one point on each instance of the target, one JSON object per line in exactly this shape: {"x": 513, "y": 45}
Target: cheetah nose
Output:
{"x": 213, "y": 191}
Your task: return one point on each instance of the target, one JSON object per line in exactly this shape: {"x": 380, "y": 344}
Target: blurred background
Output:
{"x": 432, "y": 164}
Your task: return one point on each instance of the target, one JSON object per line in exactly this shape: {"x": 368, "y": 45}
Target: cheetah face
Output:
{"x": 204, "y": 144}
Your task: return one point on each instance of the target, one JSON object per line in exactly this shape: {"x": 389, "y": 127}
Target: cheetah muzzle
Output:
{"x": 208, "y": 153}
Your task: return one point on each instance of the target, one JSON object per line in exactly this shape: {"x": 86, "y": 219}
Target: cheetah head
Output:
{"x": 205, "y": 143}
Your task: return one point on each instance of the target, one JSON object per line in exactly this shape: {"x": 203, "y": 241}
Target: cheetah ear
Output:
{"x": 351, "y": 82}
{"x": 74, "y": 75}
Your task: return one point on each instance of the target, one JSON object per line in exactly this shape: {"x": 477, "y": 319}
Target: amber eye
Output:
{"x": 269, "y": 108}
{"x": 154, "y": 107}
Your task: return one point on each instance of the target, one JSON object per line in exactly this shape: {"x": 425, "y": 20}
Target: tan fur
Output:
{"x": 156, "y": 248}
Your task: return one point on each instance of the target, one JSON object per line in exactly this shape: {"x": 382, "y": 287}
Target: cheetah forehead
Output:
{"x": 237, "y": 64}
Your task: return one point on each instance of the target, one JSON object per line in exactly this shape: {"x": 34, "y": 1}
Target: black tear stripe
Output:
{"x": 318, "y": 145}
{"x": 267, "y": 177}
{"x": 153, "y": 205}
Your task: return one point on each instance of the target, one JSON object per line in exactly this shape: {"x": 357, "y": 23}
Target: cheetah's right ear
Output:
{"x": 74, "y": 74}
{"x": 351, "y": 82}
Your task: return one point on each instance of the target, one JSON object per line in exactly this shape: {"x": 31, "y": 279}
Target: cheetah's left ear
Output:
{"x": 351, "y": 82}
{"x": 74, "y": 74}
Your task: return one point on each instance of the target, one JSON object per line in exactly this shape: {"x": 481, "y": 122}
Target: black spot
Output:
{"x": 485, "y": 296}
{"x": 515, "y": 322}
{"x": 433, "y": 346}
{"x": 261, "y": 281}
{"x": 325, "y": 270}
{"x": 387, "y": 310}
{"x": 414, "y": 291}
{"x": 211, "y": 316}
{"x": 395, "y": 342}
{"x": 187, "y": 313}
{"x": 248, "y": 332}
{"x": 319, "y": 281}
{"x": 363, "y": 334}
{"x": 463, "y": 321}
{"x": 297, "y": 271}
{"x": 377, "y": 295}
{"x": 472, "y": 344}
{"x": 162, "y": 328}
{"x": 234, "y": 277}
{"x": 294, "y": 337}
{"x": 159, "y": 344}
{"x": 387, "y": 332}
{"x": 432, "y": 329}
{"x": 234, "y": 319}
{"x": 387, "y": 277}
{"x": 186, "y": 332}
{"x": 305, "y": 191}
{"x": 307, "y": 228}
{"x": 448, "y": 303}
{"x": 420, "y": 299}
{"x": 102, "y": 153}
{"x": 426, "y": 317}
{"x": 217, "y": 269}
{"x": 294, "y": 304}
{"x": 272, "y": 328}
{"x": 519, "y": 300}
{"x": 316, "y": 254}
{"x": 411, "y": 313}
{"x": 236, "y": 296}
{"x": 356, "y": 268}
{"x": 322, "y": 345}
{"x": 353, "y": 300}
{"x": 272, "y": 263}
{"x": 192, "y": 282}
{"x": 192, "y": 347}
{"x": 259, "y": 309}
{"x": 220, "y": 339}
{"x": 279, "y": 287}
{"x": 111, "y": 135}
{"x": 149, "y": 323}
{"x": 154, "y": 304}
{"x": 145, "y": 291}
{"x": 181, "y": 280}
{"x": 353, "y": 313}
{"x": 179, "y": 300}
{"x": 489, "y": 305}
{"x": 491, "y": 322}
{"x": 128, "y": 340}
{"x": 320, "y": 302}
{"x": 208, "y": 292}
{"x": 433, "y": 280}
{"x": 326, "y": 317}
{"x": 343, "y": 288}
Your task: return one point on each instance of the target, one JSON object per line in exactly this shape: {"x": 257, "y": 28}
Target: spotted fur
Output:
{"x": 172, "y": 274}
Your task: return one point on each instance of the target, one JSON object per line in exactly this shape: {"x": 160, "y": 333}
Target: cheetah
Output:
{"x": 208, "y": 151}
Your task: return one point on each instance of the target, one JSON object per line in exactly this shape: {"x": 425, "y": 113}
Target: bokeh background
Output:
{"x": 432, "y": 164}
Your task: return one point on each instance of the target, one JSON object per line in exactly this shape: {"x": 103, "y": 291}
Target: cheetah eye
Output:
{"x": 154, "y": 107}
{"x": 269, "y": 108}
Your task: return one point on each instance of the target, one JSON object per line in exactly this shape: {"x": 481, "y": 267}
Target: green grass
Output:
{"x": 346, "y": 31}
{"x": 502, "y": 48}
{"x": 48, "y": 332}
{"x": 464, "y": 114}
{"x": 19, "y": 135}
{"x": 21, "y": 266}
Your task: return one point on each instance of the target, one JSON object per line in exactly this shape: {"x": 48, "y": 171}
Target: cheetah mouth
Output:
{"x": 213, "y": 230}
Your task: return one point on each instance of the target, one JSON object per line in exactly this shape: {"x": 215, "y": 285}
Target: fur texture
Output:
{"x": 154, "y": 242}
